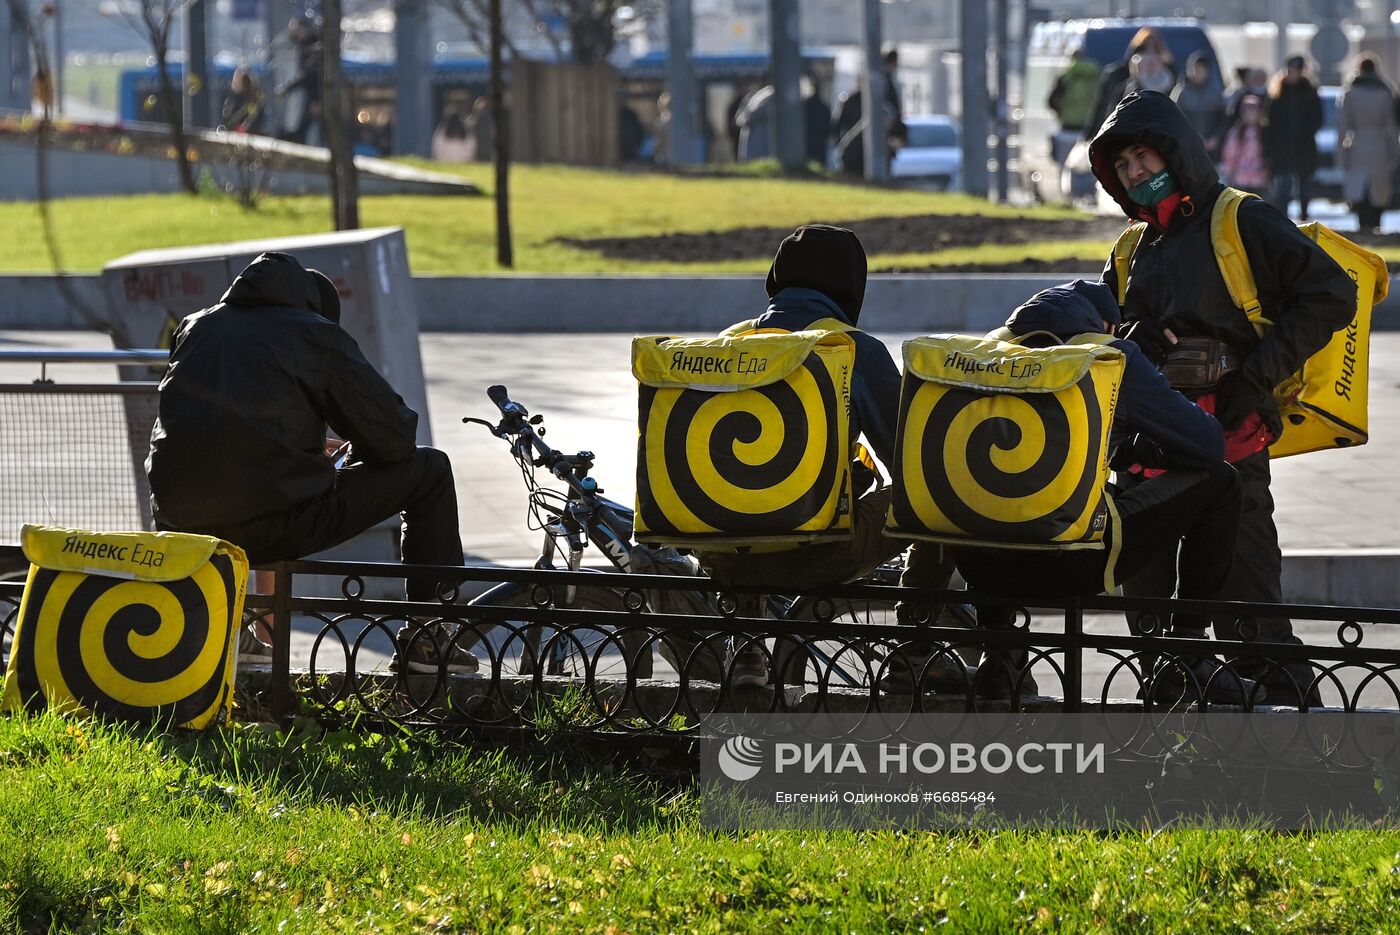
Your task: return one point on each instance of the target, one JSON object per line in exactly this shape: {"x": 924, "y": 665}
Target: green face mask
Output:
{"x": 1153, "y": 190}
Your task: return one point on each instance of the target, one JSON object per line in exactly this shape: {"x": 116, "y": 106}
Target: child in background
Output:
{"x": 1242, "y": 161}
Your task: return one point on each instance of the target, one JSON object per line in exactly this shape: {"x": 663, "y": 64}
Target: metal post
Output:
{"x": 1074, "y": 657}
{"x": 790, "y": 140}
{"x": 58, "y": 57}
{"x": 973, "y": 35}
{"x": 12, "y": 36}
{"x": 280, "y": 691}
{"x": 505, "y": 253}
{"x": 413, "y": 60}
{"x": 198, "y": 75}
{"x": 1278, "y": 12}
{"x": 1003, "y": 124}
{"x": 680, "y": 83}
{"x": 872, "y": 96}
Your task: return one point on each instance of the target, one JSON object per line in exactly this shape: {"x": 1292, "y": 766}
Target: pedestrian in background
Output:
{"x": 1242, "y": 162}
{"x": 1291, "y": 123}
{"x": 1075, "y": 91}
{"x": 1367, "y": 144}
{"x": 242, "y": 110}
{"x": 1202, "y": 101}
{"x": 1113, "y": 82}
{"x": 451, "y": 142}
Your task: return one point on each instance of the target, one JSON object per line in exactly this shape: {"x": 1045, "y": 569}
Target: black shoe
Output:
{"x": 427, "y": 651}
{"x": 1291, "y": 685}
{"x": 998, "y": 674}
{"x": 1178, "y": 680}
{"x": 908, "y": 673}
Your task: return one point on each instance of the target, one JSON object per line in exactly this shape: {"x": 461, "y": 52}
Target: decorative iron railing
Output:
{"x": 588, "y": 651}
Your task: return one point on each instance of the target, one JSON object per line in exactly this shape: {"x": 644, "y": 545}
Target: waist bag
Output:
{"x": 743, "y": 440}
{"x": 1197, "y": 365}
{"x": 1324, "y": 404}
{"x": 131, "y": 625}
{"x": 1003, "y": 445}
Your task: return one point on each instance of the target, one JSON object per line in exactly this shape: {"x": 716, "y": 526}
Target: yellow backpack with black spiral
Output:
{"x": 137, "y": 626}
{"x": 1004, "y": 445}
{"x": 743, "y": 439}
{"x": 1324, "y": 404}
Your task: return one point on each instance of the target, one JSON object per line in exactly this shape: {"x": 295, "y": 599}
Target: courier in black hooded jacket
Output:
{"x": 245, "y": 402}
{"x": 1174, "y": 281}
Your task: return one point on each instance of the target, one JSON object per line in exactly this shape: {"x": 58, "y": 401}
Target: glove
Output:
{"x": 1237, "y": 399}
{"x": 1155, "y": 342}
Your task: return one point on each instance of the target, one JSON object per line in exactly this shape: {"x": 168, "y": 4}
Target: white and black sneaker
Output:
{"x": 431, "y": 650}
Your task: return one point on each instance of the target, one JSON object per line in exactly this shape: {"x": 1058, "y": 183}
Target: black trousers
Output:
{"x": 1184, "y": 521}
{"x": 420, "y": 489}
{"x": 1258, "y": 563}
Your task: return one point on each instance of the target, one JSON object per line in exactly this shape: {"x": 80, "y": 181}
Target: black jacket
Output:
{"x": 1290, "y": 133}
{"x": 244, "y": 404}
{"x": 1180, "y": 433}
{"x": 875, "y": 382}
{"x": 1174, "y": 280}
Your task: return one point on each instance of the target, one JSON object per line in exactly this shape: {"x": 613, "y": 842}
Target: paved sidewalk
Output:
{"x": 1328, "y": 504}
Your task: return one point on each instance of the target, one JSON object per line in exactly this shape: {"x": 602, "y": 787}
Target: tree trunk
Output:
{"x": 345, "y": 198}
{"x": 501, "y": 137}
{"x": 175, "y": 115}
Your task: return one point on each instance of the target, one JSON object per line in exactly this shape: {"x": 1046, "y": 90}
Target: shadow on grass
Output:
{"x": 556, "y": 779}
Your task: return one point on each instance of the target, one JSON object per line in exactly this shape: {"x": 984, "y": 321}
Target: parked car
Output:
{"x": 932, "y": 154}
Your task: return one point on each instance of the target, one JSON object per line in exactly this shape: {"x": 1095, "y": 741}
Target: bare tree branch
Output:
{"x": 93, "y": 319}
{"x": 475, "y": 17}
{"x": 154, "y": 20}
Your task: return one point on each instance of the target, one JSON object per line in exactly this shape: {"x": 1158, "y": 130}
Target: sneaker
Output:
{"x": 1284, "y": 685}
{"x": 251, "y": 650}
{"x": 1208, "y": 675}
{"x": 998, "y": 673}
{"x": 749, "y": 668}
{"x": 937, "y": 673}
{"x": 420, "y": 650}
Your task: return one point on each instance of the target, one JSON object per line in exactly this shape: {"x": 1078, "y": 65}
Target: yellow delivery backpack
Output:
{"x": 1004, "y": 445}
{"x": 743, "y": 439}
{"x": 1323, "y": 405}
{"x": 137, "y": 626}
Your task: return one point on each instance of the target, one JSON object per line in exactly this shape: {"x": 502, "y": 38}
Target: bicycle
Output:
{"x": 572, "y": 519}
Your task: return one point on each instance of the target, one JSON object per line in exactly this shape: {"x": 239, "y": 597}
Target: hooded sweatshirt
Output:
{"x": 246, "y": 398}
{"x": 1149, "y": 410}
{"x": 1174, "y": 279}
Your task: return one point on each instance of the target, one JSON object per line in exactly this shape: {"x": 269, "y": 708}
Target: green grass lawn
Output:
{"x": 457, "y": 235}
{"x": 249, "y": 830}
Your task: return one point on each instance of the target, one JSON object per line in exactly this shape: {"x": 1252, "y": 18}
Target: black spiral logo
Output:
{"x": 132, "y": 650}
{"x": 1014, "y": 468}
{"x": 763, "y": 461}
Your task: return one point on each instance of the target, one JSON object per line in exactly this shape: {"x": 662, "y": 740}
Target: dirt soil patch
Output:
{"x": 915, "y": 234}
{"x": 880, "y": 235}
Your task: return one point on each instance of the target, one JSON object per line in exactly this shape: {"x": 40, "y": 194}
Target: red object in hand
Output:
{"x": 1250, "y": 438}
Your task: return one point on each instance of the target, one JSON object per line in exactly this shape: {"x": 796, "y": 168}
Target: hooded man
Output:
{"x": 239, "y": 446}
{"x": 1192, "y": 506}
{"x": 819, "y": 272}
{"x": 1156, "y": 167}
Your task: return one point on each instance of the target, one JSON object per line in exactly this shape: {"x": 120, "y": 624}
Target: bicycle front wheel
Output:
{"x": 519, "y": 647}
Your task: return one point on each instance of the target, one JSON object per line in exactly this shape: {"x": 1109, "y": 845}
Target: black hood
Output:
{"x": 1153, "y": 120}
{"x": 275, "y": 280}
{"x": 829, "y": 260}
{"x": 1077, "y": 307}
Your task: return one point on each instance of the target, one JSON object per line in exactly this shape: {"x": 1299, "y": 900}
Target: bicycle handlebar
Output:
{"x": 517, "y": 423}
{"x": 499, "y": 395}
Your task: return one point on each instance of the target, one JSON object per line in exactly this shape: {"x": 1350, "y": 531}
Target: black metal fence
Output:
{"x": 591, "y": 651}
